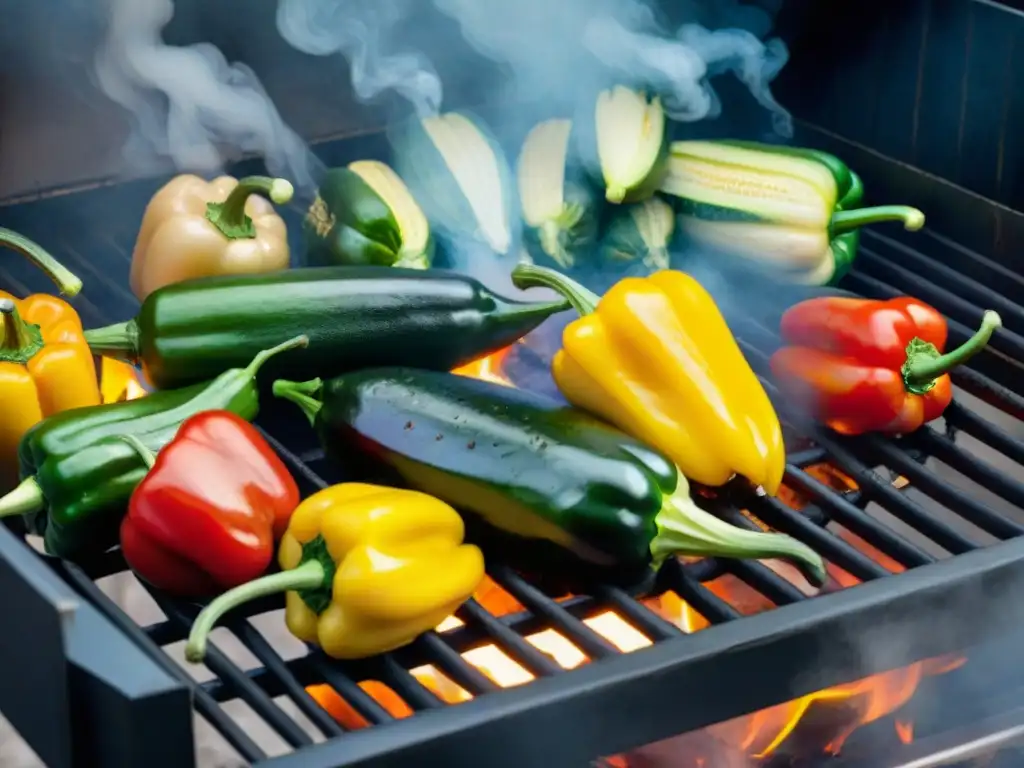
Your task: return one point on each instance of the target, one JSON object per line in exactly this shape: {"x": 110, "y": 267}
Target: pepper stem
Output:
{"x": 230, "y": 217}
{"x": 144, "y": 453}
{"x": 309, "y": 575}
{"x": 67, "y": 282}
{"x": 925, "y": 363}
{"x": 257, "y": 362}
{"x": 303, "y": 393}
{"x": 686, "y": 529}
{"x": 582, "y": 299}
{"x": 844, "y": 221}
{"x": 26, "y": 498}
{"x": 19, "y": 341}
{"x": 120, "y": 340}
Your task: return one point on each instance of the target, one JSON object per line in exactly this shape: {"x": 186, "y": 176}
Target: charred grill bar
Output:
{"x": 619, "y": 700}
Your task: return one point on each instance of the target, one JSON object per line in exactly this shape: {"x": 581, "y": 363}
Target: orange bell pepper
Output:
{"x": 45, "y": 364}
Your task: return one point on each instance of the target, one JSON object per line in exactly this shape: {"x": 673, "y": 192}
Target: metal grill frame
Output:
{"x": 619, "y": 701}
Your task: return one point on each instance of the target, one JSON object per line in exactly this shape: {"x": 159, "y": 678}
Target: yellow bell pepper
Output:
{"x": 194, "y": 228}
{"x": 366, "y": 568}
{"x": 655, "y": 357}
{"x": 45, "y": 365}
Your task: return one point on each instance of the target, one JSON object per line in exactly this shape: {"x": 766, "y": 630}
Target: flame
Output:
{"x": 118, "y": 381}
{"x": 866, "y": 700}
{"x": 905, "y": 732}
{"x": 757, "y": 735}
{"x": 487, "y": 368}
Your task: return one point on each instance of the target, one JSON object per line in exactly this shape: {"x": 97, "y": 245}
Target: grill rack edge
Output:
{"x": 770, "y": 646}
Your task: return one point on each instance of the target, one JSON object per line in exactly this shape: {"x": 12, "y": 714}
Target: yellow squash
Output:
{"x": 367, "y": 569}
{"x": 655, "y": 357}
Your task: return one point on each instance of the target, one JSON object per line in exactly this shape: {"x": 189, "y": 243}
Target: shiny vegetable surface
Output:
{"x": 78, "y": 473}
{"x": 795, "y": 211}
{"x": 655, "y": 357}
{"x": 366, "y": 569}
{"x": 45, "y": 365}
{"x": 354, "y": 317}
{"x": 206, "y": 516}
{"x": 196, "y": 228}
{"x": 860, "y": 365}
{"x": 364, "y": 214}
{"x": 587, "y": 499}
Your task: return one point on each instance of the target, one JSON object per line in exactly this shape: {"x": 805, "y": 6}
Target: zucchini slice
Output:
{"x": 559, "y": 212}
{"x": 632, "y": 143}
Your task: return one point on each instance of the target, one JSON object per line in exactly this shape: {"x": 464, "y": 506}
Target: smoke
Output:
{"x": 561, "y": 51}
{"x": 189, "y": 104}
{"x": 362, "y": 31}
{"x": 680, "y": 68}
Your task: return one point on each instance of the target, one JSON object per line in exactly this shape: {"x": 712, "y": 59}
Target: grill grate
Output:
{"x": 940, "y": 515}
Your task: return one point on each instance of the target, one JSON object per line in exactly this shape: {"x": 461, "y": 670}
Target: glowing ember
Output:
{"x": 757, "y": 735}
{"x": 905, "y": 731}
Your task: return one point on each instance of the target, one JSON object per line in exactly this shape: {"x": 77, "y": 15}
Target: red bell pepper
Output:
{"x": 206, "y": 516}
{"x": 860, "y": 366}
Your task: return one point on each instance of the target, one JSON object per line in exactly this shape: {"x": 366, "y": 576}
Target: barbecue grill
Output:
{"x": 922, "y": 534}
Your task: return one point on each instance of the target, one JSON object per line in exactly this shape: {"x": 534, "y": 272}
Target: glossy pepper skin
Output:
{"x": 573, "y": 496}
{"x": 793, "y": 209}
{"x": 860, "y": 365}
{"x": 655, "y": 357}
{"x": 367, "y": 569}
{"x": 78, "y": 474}
{"x": 208, "y": 513}
{"x": 196, "y": 228}
{"x": 355, "y": 317}
{"x": 364, "y": 214}
{"x": 45, "y": 365}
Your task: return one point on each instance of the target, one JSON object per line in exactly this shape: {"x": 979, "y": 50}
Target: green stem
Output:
{"x": 550, "y": 233}
{"x": 309, "y": 575}
{"x": 924, "y": 363}
{"x": 303, "y": 393}
{"x": 19, "y": 341}
{"x": 844, "y": 221}
{"x": 26, "y": 498}
{"x": 144, "y": 453}
{"x": 230, "y": 217}
{"x": 686, "y": 529}
{"x": 257, "y": 362}
{"x": 67, "y": 282}
{"x": 582, "y": 300}
{"x": 120, "y": 340}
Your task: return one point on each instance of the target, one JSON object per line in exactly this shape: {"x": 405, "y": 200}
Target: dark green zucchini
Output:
{"x": 566, "y": 493}
{"x": 355, "y": 317}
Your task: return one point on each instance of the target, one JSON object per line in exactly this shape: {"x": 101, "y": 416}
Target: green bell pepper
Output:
{"x": 78, "y": 473}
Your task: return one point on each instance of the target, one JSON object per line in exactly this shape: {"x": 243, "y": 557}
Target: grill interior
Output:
{"x": 965, "y": 492}
{"x": 877, "y": 80}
